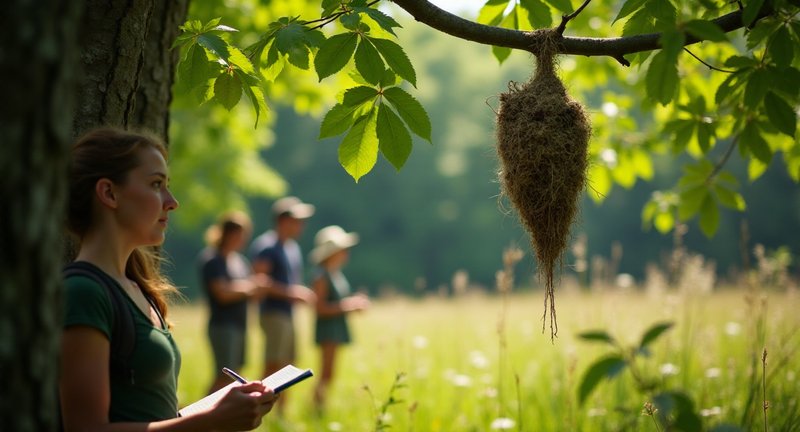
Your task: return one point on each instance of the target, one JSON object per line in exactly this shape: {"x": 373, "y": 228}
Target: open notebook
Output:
{"x": 279, "y": 381}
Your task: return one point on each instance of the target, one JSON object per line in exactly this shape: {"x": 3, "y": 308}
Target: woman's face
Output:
{"x": 144, "y": 200}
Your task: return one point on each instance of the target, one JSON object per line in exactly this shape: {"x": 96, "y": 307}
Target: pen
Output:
{"x": 234, "y": 376}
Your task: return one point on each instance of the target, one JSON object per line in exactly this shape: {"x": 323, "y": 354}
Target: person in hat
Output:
{"x": 228, "y": 282}
{"x": 334, "y": 300}
{"x": 278, "y": 256}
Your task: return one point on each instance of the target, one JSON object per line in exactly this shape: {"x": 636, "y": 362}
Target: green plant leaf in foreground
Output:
{"x": 228, "y": 90}
{"x": 410, "y": 110}
{"x": 396, "y": 58}
{"x": 334, "y": 54}
{"x": 358, "y": 152}
{"x": 606, "y": 367}
{"x": 393, "y": 137}
{"x": 653, "y": 333}
{"x": 598, "y": 336}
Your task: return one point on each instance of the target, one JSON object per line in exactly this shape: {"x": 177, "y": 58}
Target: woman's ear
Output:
{"x": 104, "y": 188}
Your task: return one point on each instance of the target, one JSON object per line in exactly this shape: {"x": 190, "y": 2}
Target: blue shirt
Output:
{"x": 280, "y": 271}
{"x": 213, "y": 266}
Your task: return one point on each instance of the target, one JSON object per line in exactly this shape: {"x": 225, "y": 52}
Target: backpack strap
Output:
{"x": 123, "y": 331}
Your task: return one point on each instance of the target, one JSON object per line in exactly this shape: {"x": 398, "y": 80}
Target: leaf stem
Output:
{"x": 706, "y": 64}
{"x": 724, "y": 160}
{"x": 566, "y": 18}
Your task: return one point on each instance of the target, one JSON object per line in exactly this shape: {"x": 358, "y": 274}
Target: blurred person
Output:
{"x": 118, "y": 209}
{"x": 229, "y": 285}
{"x": 280, "y": 259}
{"x": 334, "y": 300}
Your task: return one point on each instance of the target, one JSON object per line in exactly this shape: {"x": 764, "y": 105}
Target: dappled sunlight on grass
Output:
{"x": 457, "y": 380}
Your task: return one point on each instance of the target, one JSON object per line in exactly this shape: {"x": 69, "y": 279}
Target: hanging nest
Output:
{"x": 542, "y": 143}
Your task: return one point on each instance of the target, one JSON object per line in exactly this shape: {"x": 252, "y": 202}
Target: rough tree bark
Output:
{"x": 38, "y": 63}
{"x": 128, "y": 64}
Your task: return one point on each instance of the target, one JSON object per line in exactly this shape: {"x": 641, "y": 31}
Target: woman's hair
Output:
{"x": 229, "y": 223}
{"x": 112, "y": 153}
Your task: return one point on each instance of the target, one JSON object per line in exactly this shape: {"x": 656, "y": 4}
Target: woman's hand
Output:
{"x": 242, "y": 407}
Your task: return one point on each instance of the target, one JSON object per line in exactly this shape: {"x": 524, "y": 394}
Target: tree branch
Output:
{"x": 432, "y": 16}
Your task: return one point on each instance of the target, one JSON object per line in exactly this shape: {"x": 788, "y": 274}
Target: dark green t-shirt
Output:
{"x": 155, "y": 360}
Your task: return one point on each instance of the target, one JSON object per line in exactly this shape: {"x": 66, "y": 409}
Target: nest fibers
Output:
{"x": 542, "y": 140}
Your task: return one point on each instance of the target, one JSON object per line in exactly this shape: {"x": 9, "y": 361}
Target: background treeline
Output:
{"x": 441, "y": 213}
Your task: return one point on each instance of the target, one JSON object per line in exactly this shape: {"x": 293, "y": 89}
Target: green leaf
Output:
{"x": 196, "y": 70}
{"x": 757, "y": 85}
{"x": 396, "y": 58}
{"x": 410, "y": 110}
{"x": 709, "y": 217}
{"x": 678, "y": 409}
{"x": 780, "y": 114}
{"x": 664, "y": 13}
{"x": 538, "y": 13}
{"x": 751, "y": 9}
{"x": 510, "y": 22}
{"x": 653, "y": 333}
{"x": 664, "y": 222}
{"x": 741, "y": 62}
{"x": 337, "y": 120}
{"x": 358, "y": 96}
{"x": 350, "y": 21}
{"x": 358, "y": 152}
{"x": 492, "y": 12}
{"x": 256, "y": 96}
{"x": 393, "y": 137}
{"x": 598, "y": 336}
{"x": 501, "y": 53}
{"x": 751, "y": 140}
{"x": 328, "y": 6}
{"x": 692, "y": 201}
{"x": 729, "y": 198}
{"x": 705, "y": 30}
{"x": 672, "y": 43}
{"x": 385, "y": 21}
{"x": 388, "y": 79}
{"x": 342, "y": 116}
{"x": 215, "y": 44}
{"x": 662, "y": 78}
{"x": 368, "y": 62}
{"x": 728, "y": 87}
{"x": 240, "y": 61}
{"x": 228, "y": 90}
{"x": 562, "y": 5}
{"x": 606, "y": 367}
{"x": 781, "y": 47}
{"x": 334, "y": 54}
{"x": 629, "y": 7}
{"x": 785, "y": 81}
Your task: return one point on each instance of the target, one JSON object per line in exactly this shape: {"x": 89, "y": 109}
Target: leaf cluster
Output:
{"x": 378, "y": 115}
{"x": 673, "y": 409}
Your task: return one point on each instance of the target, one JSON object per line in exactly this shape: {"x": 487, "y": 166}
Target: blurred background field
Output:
{"x": 456, "y": 376}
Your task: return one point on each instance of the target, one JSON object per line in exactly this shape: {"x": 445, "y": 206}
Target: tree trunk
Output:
{"x": 128, "y": 64}
{"x": 38, "y": 63}
{"x": 158, "y": 71}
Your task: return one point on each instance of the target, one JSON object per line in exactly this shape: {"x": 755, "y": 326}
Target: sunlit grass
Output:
{"x": 455, "y": 379}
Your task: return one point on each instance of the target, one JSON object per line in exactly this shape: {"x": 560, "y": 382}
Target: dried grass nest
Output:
{"x": 542, "y": 144}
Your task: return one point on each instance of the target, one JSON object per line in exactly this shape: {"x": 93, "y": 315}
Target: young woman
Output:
{"x": 119, "y": 205}
{"x": 229, "y": 285}
{"x": 334, "y": 300}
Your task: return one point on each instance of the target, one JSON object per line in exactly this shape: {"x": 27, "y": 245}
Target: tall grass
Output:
{"x": 449, "y": 354}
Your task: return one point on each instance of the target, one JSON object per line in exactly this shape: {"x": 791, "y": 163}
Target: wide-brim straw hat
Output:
{"x": 293, "y": 207}
{"x": 330, "y": 240}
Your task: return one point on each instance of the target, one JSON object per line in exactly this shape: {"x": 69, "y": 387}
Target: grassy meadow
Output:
{"x": 480, "y": 362}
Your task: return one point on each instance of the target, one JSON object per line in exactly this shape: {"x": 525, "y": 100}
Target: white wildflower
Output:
{"x": 668, "y": 369}
{"x": 502, "y": 423}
